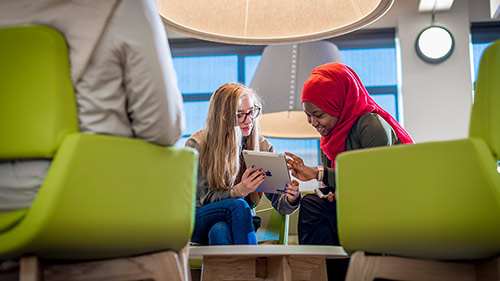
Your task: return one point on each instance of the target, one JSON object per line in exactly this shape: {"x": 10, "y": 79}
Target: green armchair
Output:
{"x": 125, "y": 202}
{"x": 428, "y": 204}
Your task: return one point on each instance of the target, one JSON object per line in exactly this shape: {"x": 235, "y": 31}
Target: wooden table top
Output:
{"x": 197, "y": 252}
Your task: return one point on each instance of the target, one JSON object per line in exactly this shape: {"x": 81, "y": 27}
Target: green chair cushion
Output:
{"x": 107, "y": 196}
{"x": 37, "y": 104}
{"x": 431, "y": 200}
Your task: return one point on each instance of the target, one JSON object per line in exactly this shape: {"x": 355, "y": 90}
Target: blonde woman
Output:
{"x": 226, "y": 187}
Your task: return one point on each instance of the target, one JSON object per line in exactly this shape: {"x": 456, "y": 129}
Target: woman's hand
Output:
{"x": 332, "y": 196}
{"x": 250, "y": 180}
{"x": 299, "y": 170}
{"x": 292, "y": 192}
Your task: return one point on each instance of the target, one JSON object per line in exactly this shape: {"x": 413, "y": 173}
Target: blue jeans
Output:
{"x": 224, "y": 222}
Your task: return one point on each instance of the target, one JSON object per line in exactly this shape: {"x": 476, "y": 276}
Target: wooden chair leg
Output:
{"x": 158, "y": 266}
{"x": 30, "y": 269}
{"x": 168, "y": 267}
{"x": 362, "y": 267}
{"x": 184, "y": 261}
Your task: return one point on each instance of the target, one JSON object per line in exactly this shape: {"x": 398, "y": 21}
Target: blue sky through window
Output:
{"x": 251, "y": 64}
{"x": 374, "y": 66}
{"x": 204, "y": 74}
{"x": 477, "y": 51}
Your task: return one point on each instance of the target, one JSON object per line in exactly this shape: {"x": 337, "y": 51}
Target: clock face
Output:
{"x": 434, "y": 44}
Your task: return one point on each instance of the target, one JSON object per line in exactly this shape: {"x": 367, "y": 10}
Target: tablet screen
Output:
{"x": 274, "y": 165}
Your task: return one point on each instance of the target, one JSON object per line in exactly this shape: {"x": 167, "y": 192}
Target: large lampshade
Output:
{"x": 279, "y": 79}
{"x": 264, "y": 22}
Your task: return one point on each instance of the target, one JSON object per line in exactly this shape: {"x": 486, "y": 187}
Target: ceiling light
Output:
{"x": 269, "y": 22}
{"x": 434, "y": 5}
{"x": 434, "y": 44}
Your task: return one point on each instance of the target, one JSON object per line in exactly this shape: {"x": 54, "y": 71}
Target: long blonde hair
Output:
{"x": 220, "y": 148}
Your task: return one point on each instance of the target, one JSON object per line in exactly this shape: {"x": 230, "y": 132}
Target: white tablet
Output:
{"x": 274, "y": 165}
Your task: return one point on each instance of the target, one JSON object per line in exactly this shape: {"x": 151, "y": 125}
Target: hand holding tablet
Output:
{"x": 250, "y": 181}
{"x": 273, "y": 165}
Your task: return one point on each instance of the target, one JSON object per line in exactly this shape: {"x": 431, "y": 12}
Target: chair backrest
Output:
{"x": 485, "y": 116}
{"x": 37, "y": 100}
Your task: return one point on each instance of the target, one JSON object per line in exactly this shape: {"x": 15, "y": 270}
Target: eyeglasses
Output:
{"x": 252, "y": 113}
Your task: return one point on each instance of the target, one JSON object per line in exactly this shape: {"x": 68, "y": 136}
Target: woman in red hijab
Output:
{"x": 339, "y": 107}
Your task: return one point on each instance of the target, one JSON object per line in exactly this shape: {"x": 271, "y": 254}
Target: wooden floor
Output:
{"x": 9, "y": 271}
{"x": 9, "y": 276}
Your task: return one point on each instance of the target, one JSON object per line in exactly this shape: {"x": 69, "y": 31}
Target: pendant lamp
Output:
{"x": 279, "y": 79}
{"x": 264, "y": 22}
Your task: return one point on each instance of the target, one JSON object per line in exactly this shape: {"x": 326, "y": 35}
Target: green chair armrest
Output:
{"x": 444, "y": 195}
{"x": 107, "y": 196}
{"x": 285, "y": 220}
{"x": 10, "y": 219}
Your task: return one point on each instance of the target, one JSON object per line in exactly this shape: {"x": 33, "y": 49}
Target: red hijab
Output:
{"x": 337, "y": 90}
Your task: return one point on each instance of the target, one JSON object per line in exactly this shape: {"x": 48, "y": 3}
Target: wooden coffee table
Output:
{"x": 265, "y": 262}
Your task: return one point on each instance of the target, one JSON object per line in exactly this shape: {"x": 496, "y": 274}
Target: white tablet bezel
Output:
{"x": 273, "y": 163}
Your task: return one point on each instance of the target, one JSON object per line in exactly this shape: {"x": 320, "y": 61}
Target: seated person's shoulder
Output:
{"x": 194, "y": 141}
{"x": 265, "y": 144}
{"x": 372, "y": 121}
{"x": 374, "y": 131}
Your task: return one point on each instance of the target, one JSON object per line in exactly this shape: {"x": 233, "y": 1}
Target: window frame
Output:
{"x": 480, "y": 33}
{"x": 191, "y": 47}
{"x": 361, "y": 39}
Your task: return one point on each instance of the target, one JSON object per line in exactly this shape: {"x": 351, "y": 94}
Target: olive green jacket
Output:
{"x": 370, "y": 130}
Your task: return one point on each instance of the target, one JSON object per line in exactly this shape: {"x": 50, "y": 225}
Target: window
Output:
{"x": 204, "y": 66}
{"x": 251, "y": 64}
{"x": 482, "y": 35}
{"x": 372, "y": 55}
{"x": 197, "y": 82}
